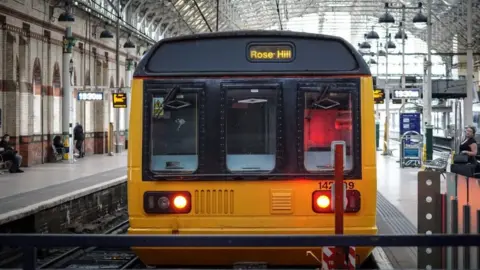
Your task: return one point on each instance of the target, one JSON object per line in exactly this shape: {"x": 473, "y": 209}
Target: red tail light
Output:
{"x": 322, "y": 201}
{"x": 167, "y": 202}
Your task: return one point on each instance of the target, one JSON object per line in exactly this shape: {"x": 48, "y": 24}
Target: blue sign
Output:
{"x": 409, "y": 122}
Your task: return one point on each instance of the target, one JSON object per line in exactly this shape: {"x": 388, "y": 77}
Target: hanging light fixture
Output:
{"x": 129, "y": 45}
{"x": 390, "y": 46}
{"x": 420, "y": 21}
{"x": 364, "y": 47}
{"x": 66, "y": 18}
{"x": 400, "y": 32}
{"x": 372, "y": 34}
{"x": 105, "y": 34}
{"x": 372, "y": 61}
{"x": 386, "y": 18}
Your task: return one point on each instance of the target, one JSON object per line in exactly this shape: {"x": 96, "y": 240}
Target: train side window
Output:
{"x": 327, "y": 122}
{"x": 174, "y": 133}
{"x": 251, "y": 129}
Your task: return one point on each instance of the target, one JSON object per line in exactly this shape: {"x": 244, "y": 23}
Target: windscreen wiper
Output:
{"x": 171, "y": 94}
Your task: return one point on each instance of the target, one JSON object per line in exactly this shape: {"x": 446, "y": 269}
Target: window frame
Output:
{"x": 279, "y": 123}
{"x": 351, "y": 86}
{"x": 151, "y": 89}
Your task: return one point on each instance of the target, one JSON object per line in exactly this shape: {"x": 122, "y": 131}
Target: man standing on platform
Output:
{"x": 79, "y": 137}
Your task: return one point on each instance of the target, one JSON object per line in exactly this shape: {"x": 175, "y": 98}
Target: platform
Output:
{"x": 51, "y": 184}
{"x": 397, "y": 207}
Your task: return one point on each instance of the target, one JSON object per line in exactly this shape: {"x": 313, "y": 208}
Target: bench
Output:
{"x": 4, "y": 165}
{"x": 57, "y": 157}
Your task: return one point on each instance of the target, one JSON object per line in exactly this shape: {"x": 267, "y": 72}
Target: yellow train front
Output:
{"x": 233, "y": 133}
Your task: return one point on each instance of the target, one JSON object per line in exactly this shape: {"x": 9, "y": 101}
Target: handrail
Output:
{"x": 87, "y": 240}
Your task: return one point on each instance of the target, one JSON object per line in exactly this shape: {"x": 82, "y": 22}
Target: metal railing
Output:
{"x": 439, "y": 220}
{"x": 449, "y": 206}
{"x": 30, "y": 242}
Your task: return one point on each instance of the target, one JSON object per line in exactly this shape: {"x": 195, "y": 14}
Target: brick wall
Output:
{"x": 30, "y": 79}
{"x": 75, "y": 213}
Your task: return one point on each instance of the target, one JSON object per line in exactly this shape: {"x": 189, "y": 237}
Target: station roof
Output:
{"x": 178, "y": 17}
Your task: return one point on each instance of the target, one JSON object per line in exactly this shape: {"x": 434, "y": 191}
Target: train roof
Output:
{"x": 227, "y": 53}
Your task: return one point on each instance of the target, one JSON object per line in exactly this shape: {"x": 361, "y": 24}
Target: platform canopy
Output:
{"x": 178, "y": 17}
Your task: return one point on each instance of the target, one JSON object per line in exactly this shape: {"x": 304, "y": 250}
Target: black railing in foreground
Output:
{"x": 29, "y": 242}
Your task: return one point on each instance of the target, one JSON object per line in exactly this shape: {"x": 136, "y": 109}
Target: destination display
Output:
{"x": 270, "y": 52}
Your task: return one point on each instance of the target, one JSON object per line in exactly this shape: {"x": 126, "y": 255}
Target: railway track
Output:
{"x": 95, "y": 257}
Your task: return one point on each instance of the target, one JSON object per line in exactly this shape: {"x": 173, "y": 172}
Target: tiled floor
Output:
{"x": 41, "y": 176}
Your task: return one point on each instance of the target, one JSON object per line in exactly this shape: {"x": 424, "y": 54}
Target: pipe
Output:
{"x": 468, "y": 102}
{"x": 117, "y": 73}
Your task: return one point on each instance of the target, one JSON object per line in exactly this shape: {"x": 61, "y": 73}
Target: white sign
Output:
{"x": 407, "y": 93}
{"x": 90, "y": 96}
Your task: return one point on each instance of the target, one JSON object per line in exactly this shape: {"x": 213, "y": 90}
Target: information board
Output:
{"x": 378, "y": 96}
{"x": 409, "y": 93}
{"x": 89, "y": 96}
{"x": 409, "y": 122}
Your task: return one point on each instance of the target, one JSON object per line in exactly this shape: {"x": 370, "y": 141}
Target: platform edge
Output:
{"x": 31, "y": 209}
{"x": 381, "y": 259}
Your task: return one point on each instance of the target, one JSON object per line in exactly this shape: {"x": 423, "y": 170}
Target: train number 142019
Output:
{"x": 327, "y": 185}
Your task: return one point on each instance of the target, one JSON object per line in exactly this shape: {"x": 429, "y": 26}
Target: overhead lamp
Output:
{"x": 66, "y": 18}
{"x": 372, "y": 61}
{"x": 364, "y": 47}
{"x": 382, "y": 52}
{"x": 386, "y": 18}
{"x": 129, "y": 44}
{"x": 372, "y": 35}
{"x": 106, "y": 34}
{"x": 400, "y": 32}
{"x": 390, "y": 46}
{"x": 420, "y": 21}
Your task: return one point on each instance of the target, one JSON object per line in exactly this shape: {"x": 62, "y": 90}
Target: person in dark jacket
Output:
{"x": 57, "y": 143}
{"x": 10, "y": 154}
{"x": 79, "y": 137}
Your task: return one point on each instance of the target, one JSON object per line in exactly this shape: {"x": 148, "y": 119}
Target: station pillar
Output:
{"x": 67, "y": 102}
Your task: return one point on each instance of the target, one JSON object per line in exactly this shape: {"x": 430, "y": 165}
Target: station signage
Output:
{"x": 119, "y": 100}
{"x": 409, "y": 93}
{"x": 379, "y": 96}
{"x": 89, "y": 96}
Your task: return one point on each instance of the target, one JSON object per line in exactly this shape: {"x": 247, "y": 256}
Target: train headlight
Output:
{"x": 180, "y": 202}
{"x": 163, "y": 202}
{"x": 323, "y": 201}
{"x": 167, "y": 202}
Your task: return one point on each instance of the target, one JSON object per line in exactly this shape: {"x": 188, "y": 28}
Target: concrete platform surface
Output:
{"x": 48, "y": 185}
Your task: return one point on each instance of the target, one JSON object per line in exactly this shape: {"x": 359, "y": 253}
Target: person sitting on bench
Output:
{"x": 9, "y": 153}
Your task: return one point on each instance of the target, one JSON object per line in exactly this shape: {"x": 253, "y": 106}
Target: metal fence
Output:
{"x": 450, "y": 206}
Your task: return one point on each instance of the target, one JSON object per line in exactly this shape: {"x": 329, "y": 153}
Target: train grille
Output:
{"x": 281, "y": 201}
{"x": 214, "y": 201}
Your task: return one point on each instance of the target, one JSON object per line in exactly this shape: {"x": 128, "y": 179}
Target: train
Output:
{"x": 234, "y": 133}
